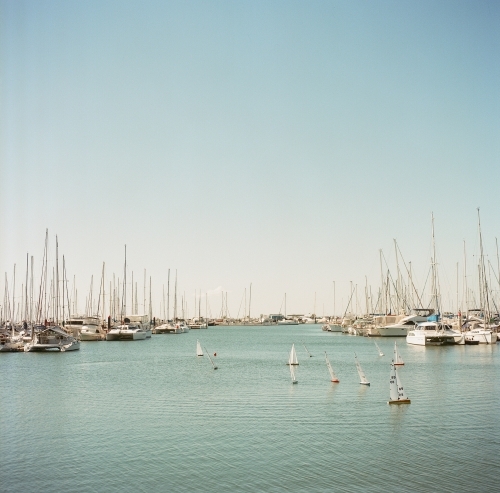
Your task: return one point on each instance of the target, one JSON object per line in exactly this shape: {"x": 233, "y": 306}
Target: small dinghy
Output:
{"x": 199, "y": 351}
{"x": 292, "y": 359}
{"x": 211, "y": 361}
{"x": 333, "y": 377}
{"x": 398, "y": 361}
{"x": 397, "y": 393}
{"x": 362, "y": 377}
{"x": 292, "y": 374}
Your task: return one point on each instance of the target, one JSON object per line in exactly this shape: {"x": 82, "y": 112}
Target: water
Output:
{"x": 150, "y": 416}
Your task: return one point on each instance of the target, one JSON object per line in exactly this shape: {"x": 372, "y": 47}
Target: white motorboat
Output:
{"x": 92, "y": 332}
{"x": 168, "y": 329}
{"x": 51, "y": 338}
{"x": 129, "y": 331}
{"x": 76, "y": 324}
{"x": 400, "y": 325}
{"x": 432, "y": 334}
{"x": 287, "y": 321}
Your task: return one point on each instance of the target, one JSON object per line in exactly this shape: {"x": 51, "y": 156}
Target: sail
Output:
{"x": 333, "y": 377}
{"x": 393, "y": 385}
{"x": 401, "y": 393}
{"x": 211, "y": 361}
{"x": 292, "y": 374}
{"x": 397, "y": 357}
{"x": 292, "y": 360}
{"x": 380, "y": 353}
{"x": 361, "y": 373}
{"x": 199, "y": 351}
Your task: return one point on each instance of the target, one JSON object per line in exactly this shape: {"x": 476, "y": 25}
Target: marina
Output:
{"x": 187, "y": 424}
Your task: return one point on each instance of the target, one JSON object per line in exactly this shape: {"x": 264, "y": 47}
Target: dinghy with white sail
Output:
{"x": 199, "y": 350}
{"x": 380, "y": 353}
{"x": 333, "y": 377}
{"x": 397, "y": 393}
{"x": 362, "y": 377}
{"x": 292, "y": 374}
{"x": 292, "y": 359}
{"x": 398, "y": 361}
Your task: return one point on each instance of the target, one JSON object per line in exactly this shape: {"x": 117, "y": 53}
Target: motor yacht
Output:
{"x": 400, "y": 325}
{"x": 433, "y": 334}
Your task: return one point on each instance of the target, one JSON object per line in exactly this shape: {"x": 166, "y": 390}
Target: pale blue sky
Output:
{"x": 278, "y": 143}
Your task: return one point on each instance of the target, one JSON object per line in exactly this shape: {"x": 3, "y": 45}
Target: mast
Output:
{"x": 250, "y": 303}
{"x": 168, "y": 295}
{"x": 434, "y": 274}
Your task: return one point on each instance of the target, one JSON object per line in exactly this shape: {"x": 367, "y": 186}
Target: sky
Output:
{"x": 281, "y": 144}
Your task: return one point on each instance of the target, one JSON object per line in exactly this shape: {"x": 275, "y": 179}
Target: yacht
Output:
{"x": 76, "y": 324}
{"x": 433, "y": 334}
{"x": 53, "y": 338}
{"x": 134, "y": 328}
{"x": 287, "y": 321}
{"x": 480, "y": 335}
{"x": 400, "y": 325}
{"x": 92, "y": 332}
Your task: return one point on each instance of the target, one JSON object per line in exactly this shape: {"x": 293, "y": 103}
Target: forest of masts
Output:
{"x": 53, "y": 297}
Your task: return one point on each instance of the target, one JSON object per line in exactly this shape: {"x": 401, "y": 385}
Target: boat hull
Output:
{"x": 402, "y": 401}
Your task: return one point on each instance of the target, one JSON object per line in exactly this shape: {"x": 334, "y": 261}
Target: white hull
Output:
{"x": 394, "y": 331}
{"x": 90, "y": 336}
{"x": 125, "y": 335}
{"x": 420, "y": 338}
{"x": 481, "y": 336}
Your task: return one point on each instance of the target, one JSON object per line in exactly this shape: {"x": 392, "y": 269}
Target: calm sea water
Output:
{"x": 149, "y": 416}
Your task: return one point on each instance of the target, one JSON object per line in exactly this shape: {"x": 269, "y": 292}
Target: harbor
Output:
{"x": 138, "y": 416}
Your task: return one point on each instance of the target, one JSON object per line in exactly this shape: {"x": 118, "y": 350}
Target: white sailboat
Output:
{"x": 292, "y": 360}
{"x": 333, "y": 377}
{"x": 307, "y": 351}
{"x": 397, "y": 393}
{"x": 199, "y": 350}
{"x": 211, "y": 360}
{"x": 398, "y": 361}
{"x": 362, "y": 377}
{"x": 380, "y": 353}
{"x": 292, "y": 374}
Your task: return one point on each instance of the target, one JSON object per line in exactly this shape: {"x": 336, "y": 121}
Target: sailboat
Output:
{"x": 211, "y": 361}
{"x": 199, "y": 351}
{"x": 397, "y": 393}
{"x": 307, "y": 351}
{"x": 362, "y": 378}
{"x": 292, "y": 360}
{"x": 333, "y": 377}
{"x": 398, "y": 361}
{"x": 380, "y": 353}
{"x": 292, "y": 374}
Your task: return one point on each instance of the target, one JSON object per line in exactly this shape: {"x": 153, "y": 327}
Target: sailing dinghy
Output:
{"x": 397, "y": 393}
{"x": 211, "y": 361}
{"x": 292, "y": 360}
{"x": 307, "y": 350}
{"x": 292, "y": 374}
{"x": 398, "y": 361}
{"x": 333, "y": 377}
{"x": 362, "y": 377}
{"x": 199, "y": 351}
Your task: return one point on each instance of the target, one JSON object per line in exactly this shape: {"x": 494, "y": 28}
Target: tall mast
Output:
{"x": 168, "y": 295}
{"x": 250, "y": 302}
{"x": 434, "y": 274}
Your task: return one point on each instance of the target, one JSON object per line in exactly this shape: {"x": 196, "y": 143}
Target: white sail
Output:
{"x": 292, "y": 374}
{"x": 199, "y": 351}
{"x": 333, "y": 377}
{"x": 380, "y": 353}
{"x": 362, "y": 377}
{"x": 398, "y": 361}
{"x": 397, "y": 393}
{"x": 393, "y": 385}
{"x": 292, "y": 360}
{"x": 401, "y": 392}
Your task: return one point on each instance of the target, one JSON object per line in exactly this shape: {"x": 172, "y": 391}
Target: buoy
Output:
{"x": 215, "y": 354}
